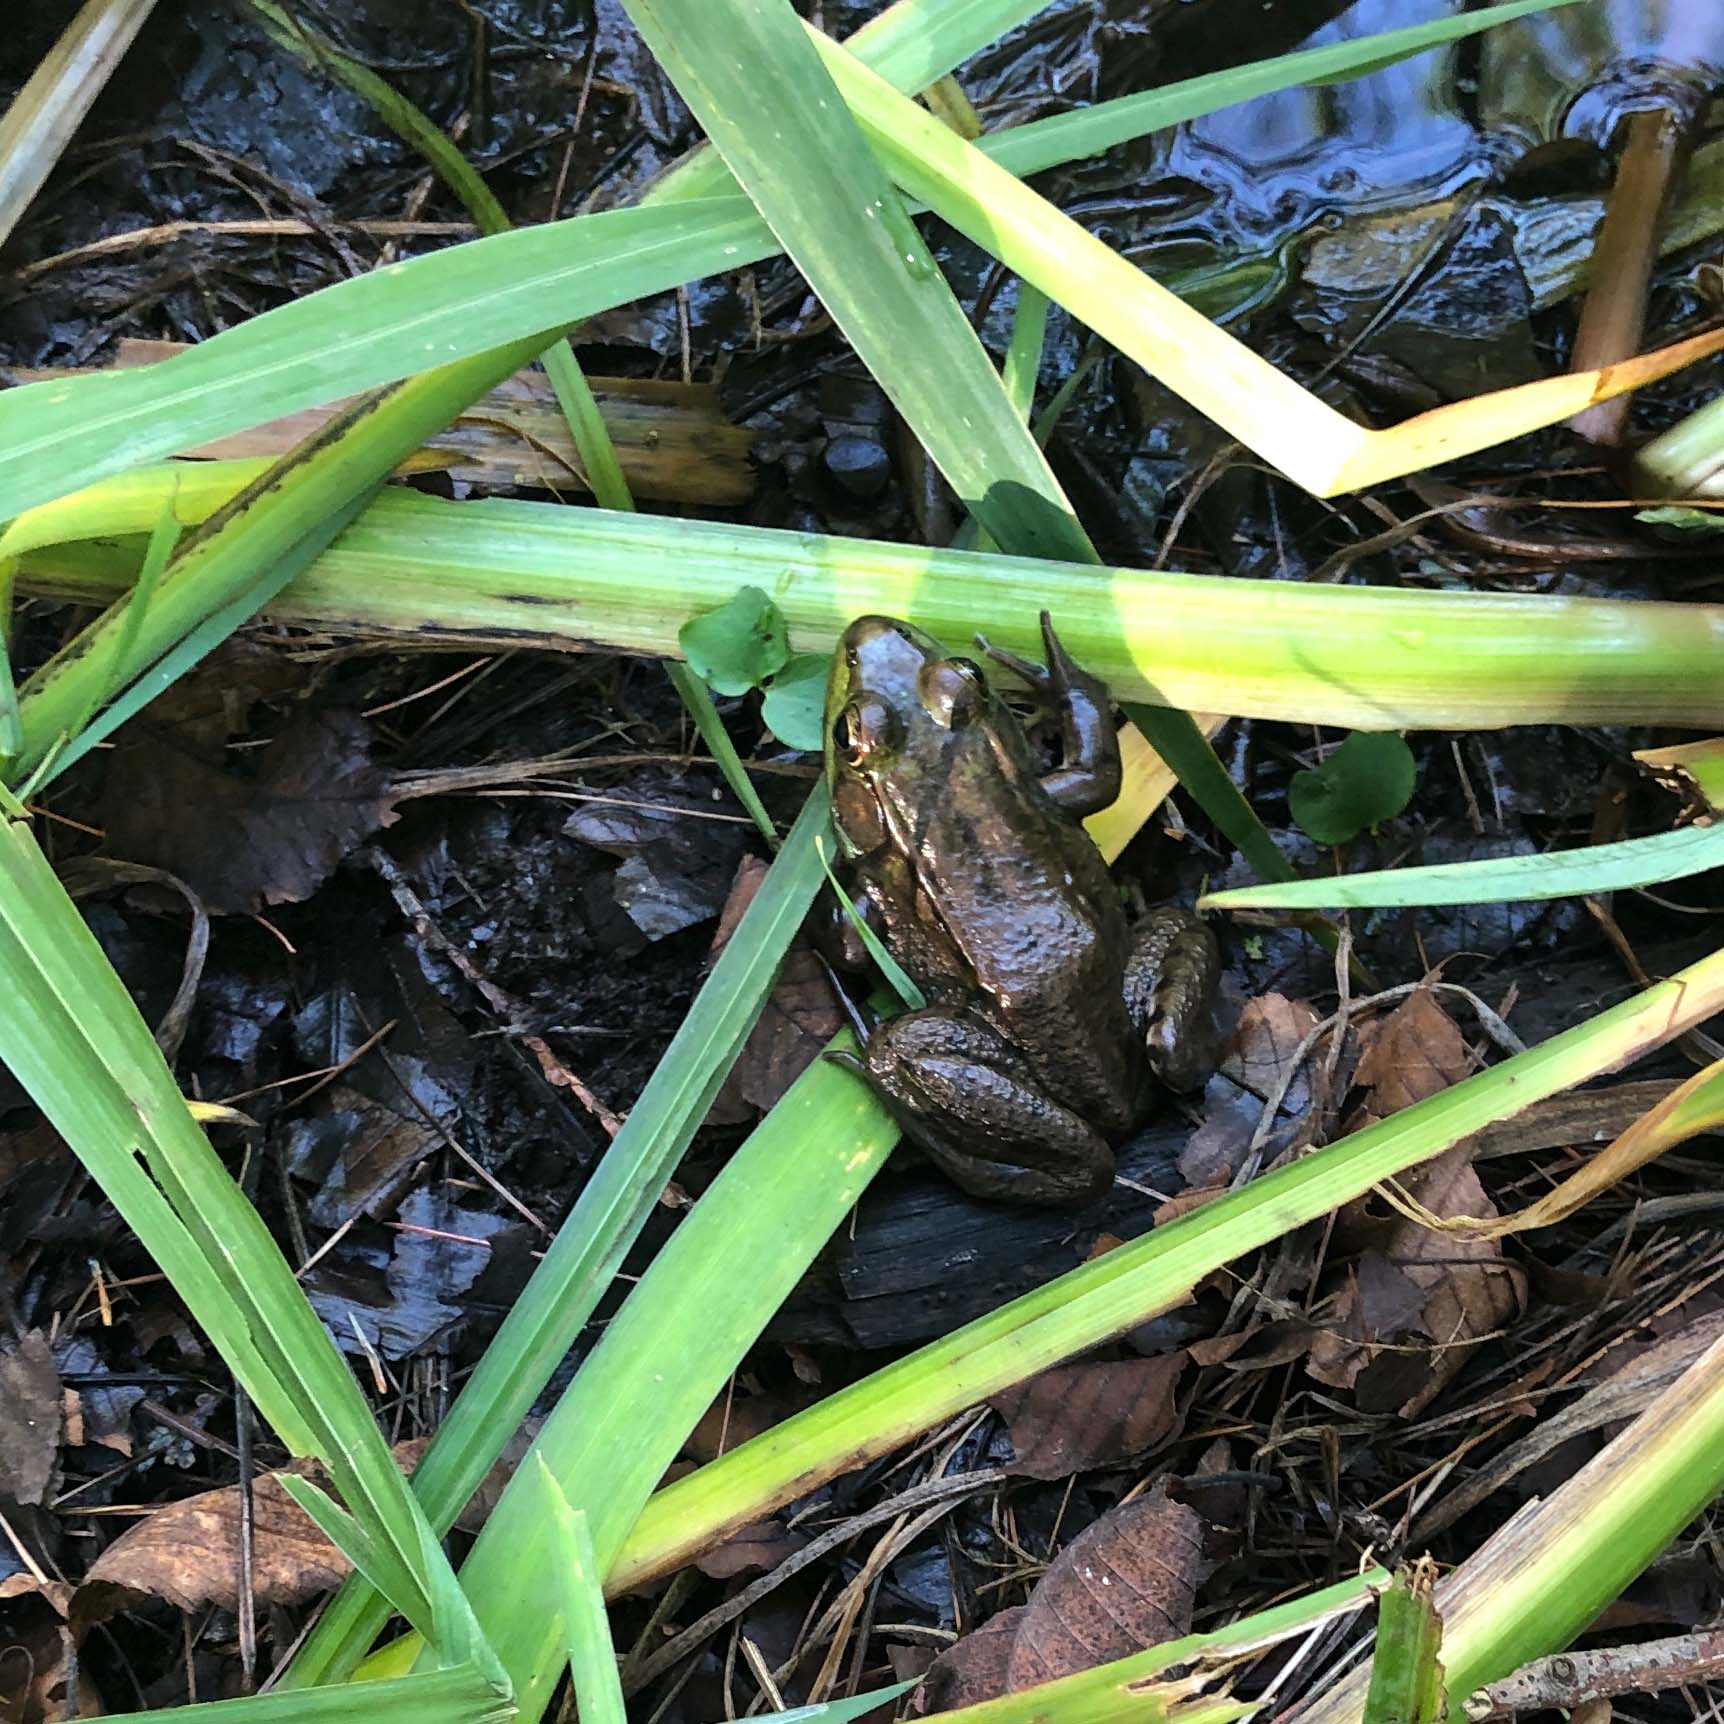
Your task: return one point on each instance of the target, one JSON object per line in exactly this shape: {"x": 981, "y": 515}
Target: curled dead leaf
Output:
{"x": 188, "y": 1554}
{"x": 1090, "y": 1414}
{"x": 1125, "y": 1583}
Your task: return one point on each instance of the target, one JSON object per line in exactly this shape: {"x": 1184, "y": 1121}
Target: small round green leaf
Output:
{"x": 1366, "y": 780}
{"x": 795, "y": 704}
{"x": 739, "y": 645}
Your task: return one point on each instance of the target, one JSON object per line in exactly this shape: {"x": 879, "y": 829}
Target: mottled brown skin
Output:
{"x": 1049, "y": 1018}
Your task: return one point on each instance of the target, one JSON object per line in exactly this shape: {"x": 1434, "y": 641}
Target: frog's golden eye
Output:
{"x": 952, "y": 688}
{"x": 866, "y": 730}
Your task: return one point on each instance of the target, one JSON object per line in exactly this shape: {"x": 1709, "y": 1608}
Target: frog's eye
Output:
{"x": 951, "y": 689}
{"x": 866, "y": 730}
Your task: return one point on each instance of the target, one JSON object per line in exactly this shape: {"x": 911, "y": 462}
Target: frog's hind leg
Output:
{"x": 1171, "y": 976}
{"x": 966, "y": 1098}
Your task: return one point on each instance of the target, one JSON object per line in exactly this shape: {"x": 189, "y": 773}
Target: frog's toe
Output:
{"x": 1172, "y": 975}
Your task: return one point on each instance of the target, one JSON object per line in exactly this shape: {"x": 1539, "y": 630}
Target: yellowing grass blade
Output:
{"x": 42, "y": 117}
{"x": 1548, "y": 1570}
{"x": 1216, "y": 372}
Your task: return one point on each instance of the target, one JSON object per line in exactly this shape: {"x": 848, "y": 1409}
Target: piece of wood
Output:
{"x": 674, "y": 443}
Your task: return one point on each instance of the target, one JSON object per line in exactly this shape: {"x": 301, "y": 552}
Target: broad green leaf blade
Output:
{"x": 524, "y": 286}
{"x": 737, "y": 646}
{"x": 592, "y": 1655}
{"x": 795, "y": 703}
{"x": 1368, "y": 779}
{"x": 1508, "y": 879}
{"x": 81, "y": 1049}
{"x": 1370, "y": 658}
{"x": 605, "y": 1221}
{"x": 465, "y": 1695}
{"x": 749, "y": 72}
{"x": 1128, "y": 1285}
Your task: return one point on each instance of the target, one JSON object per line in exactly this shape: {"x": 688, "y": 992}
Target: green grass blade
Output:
{"x": 1130, "y": 1284}
{"x": 11, "y": 732}
{"x": 85, "y": 1055}
{"x": 154, "y": 677}
{"x": 698, "y": 699}
{"x": 1369, "y": 658}
{"x": 374, "y": 330}
{"x": 598, "y": 1232}
{"x": 668, "y": 1352}
{"x": 1548, "y": 1572}
{"x": 465, "y": 1695}
{"x": 916, "y": 42}
{"x": 839, "y": 1711}
{"x": 598, "y": 454}
{"x": 1198, "y": 768}
{"x": 525, "y": 286}
{"x": 1406, "y": 1670}
{"x": 592, "y": 1656}
{"x": 1127, "y": 1689}
{"x": 574, "y": 394}
{"x": 1564, "y": 874}
{"x": 748, "y": 72}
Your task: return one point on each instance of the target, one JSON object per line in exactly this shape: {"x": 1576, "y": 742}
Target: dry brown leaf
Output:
{"x": 1121, "y": 1585}
{"x": 271, "y": 835}
{"x": 188, "y": 1554}
{"x": 36, "y": 1658}
{"x": 1416, "y": 1051}
{"x": 973, "y": 1669}
{"x": 752, "y": 1550}
{"x": 30, "y": 1412}
{"x": 1259, "y": 1052}
{"x": 801, "y": 1016}
{"x": 732, "y": 1420}
{"x": 1089, "y": 1415}
{"x": 1462, "y": 1287}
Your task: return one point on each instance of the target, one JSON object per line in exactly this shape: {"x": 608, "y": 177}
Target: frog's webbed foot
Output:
{"x": 969, "y": 1101}
{"x": 1089, "y": 779}
{"x": 1171, "y": 976}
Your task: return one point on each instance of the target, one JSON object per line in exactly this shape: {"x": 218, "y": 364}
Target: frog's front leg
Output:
{"x": 1171, "y": 976}
{"x": 1090, "y": 773}
{"x": 964, "y": 1096}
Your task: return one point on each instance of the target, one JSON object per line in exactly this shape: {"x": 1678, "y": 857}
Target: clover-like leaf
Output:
{"x": 795, "y": 703}
{"x": 739, "y": 645}
{"x": 1368, "y": 779}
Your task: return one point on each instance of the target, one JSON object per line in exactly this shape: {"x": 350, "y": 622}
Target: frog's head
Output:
{"x": 893, "y": 702}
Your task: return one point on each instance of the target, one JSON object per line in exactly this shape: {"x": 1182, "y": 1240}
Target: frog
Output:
{"x": 1052, "y": 1020}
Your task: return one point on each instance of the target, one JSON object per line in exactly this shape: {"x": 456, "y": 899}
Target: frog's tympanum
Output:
{"x": 1051, "y": 1021}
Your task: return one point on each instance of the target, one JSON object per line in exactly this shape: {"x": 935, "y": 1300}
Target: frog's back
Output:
{"x": 1027, "y": 900}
